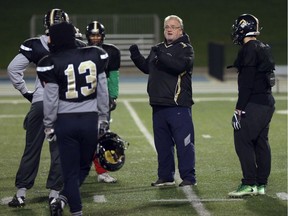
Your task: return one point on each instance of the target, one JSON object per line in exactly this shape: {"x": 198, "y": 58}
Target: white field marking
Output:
{"x": 206, "y": 136}
{"x": 197, "y": 200}
{"x": 6, "y": 200}
{"x": 99, "y": 198}
{"x": 13, "y": 101}
{"x": 11, "y": 116}
{"x": 191, "y": 196}
{"x": 283, "y": 112}
{"x": 282, "y": 196}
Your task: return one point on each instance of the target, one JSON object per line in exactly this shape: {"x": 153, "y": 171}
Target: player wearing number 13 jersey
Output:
{"x": 75, "y": 98}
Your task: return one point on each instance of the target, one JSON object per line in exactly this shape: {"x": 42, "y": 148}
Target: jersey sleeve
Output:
{"x": 114, "y": 59}
{"x": 103, "y": 61}
{"x": 45, "y": 71}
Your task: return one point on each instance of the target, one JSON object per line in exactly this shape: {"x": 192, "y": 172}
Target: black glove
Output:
{"x": 28, "y": 95}
{"x": 134, "y": 50}
{"x": 103, "y": 127}
{"x": 156, "y": 50}
{"x": 50, "y": 134}
{"x": 112, "y": 103}
{"x": 238, "y": 114}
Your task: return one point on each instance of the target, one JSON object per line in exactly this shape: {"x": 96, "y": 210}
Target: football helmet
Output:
{"x": 111, "y": 151}
{"x": 78, "y": 34}
{"x": 245, "y": 25}
{"x": 54, "y": 16}
{"x": 95, "y": 28}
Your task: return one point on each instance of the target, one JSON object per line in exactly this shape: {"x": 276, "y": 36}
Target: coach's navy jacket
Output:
{"x": 170, "y": 70}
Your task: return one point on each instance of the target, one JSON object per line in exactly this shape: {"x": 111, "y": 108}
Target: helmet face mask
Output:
{"x": 245, "y": 25}
{"x": 54, "y": 16}
{"x": 111, "y": 151}
{"x": 95, "y": 28}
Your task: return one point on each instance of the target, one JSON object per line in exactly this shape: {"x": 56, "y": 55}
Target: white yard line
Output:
{"x": 12, "y": 116}
{"x": 196, "y": 200}
{"x": 190, "y": 194}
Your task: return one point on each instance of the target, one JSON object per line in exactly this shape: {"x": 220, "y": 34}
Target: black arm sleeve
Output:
{"x": 141, "y": 63}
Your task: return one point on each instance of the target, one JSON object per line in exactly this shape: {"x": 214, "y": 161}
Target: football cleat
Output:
{"x": 244, "y": 190}
{"x": 161, "y": 182}
{"x": 106, "y": 178}
{"x": 55, "y": 207}
{"x": 261, "y": 189}
{"x": 17, "y": 202}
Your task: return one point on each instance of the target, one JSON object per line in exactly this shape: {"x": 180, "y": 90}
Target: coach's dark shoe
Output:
{"x": 162, "y": 182}
{"x": 55, "y": 207}
{"x": 17, "y": 202}
{"x": 187, "y": 183}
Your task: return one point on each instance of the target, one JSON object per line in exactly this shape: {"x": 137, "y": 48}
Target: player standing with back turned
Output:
{"x": 254, "y": 108}
{"x": 75, "y": 102}
{"x": 31, "y": 51}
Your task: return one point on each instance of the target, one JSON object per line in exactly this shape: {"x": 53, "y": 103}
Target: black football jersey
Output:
{"x": 79, "y": 65}
{"x": 114, "y": 57}
{"x": 33, "y": 50}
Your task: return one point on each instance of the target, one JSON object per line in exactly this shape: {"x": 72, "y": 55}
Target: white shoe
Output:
{"x": 106, "y": 178}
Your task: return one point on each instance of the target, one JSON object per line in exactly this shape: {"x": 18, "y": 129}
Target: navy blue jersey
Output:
{"x": 114, "y": 57}
{"x": 80, "y": 65}
{"x": 253, "y": 62}
{"x": 33, "y": 49}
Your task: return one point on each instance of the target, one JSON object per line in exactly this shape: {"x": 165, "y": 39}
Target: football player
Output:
{"x": 254, "y": 108}
{"x": 31, "y": 51}
{"x": 76, "y": 95}
{"x": 95, "y": 35}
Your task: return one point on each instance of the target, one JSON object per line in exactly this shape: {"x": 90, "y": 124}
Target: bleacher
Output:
{"x": 122, "y": 30}
{"x": 124, "y": 41}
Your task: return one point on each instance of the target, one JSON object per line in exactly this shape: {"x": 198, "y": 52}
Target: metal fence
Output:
{"x": 121, "y": 30}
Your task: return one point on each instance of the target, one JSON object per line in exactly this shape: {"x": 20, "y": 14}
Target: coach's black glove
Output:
{"x": 112, "y": 103}
{"x": 50, "y": 134}
{"x": 28, "y": 95}
{"x": 156, "y": 50}
{"x": 103, "y": 127}
{"x": 238, "y": 114}
{"x": 134, "y": 50}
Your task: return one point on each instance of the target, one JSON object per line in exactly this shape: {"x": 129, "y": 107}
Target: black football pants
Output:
{"x": 29, "y": 164}
{"x": 252, "y": 144}
{"x": 77, "y": 135}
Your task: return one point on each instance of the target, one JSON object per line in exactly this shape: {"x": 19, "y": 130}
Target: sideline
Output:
{"x": 189, "y": 193}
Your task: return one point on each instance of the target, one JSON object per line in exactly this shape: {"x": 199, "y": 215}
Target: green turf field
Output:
{"x": 217, "y": 166}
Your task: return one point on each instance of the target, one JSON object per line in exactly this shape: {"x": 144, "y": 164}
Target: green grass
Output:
{"x": 217, "y": 166}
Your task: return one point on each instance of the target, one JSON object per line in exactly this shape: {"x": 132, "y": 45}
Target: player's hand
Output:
{"x": 238, "y": 114}
{"x": 134, "y": 50}
{"x": 103, "y": 127}
{"x": 28, "y": 95}
{"x": 50, "y": 134}
{"x": 112, "y": 103}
